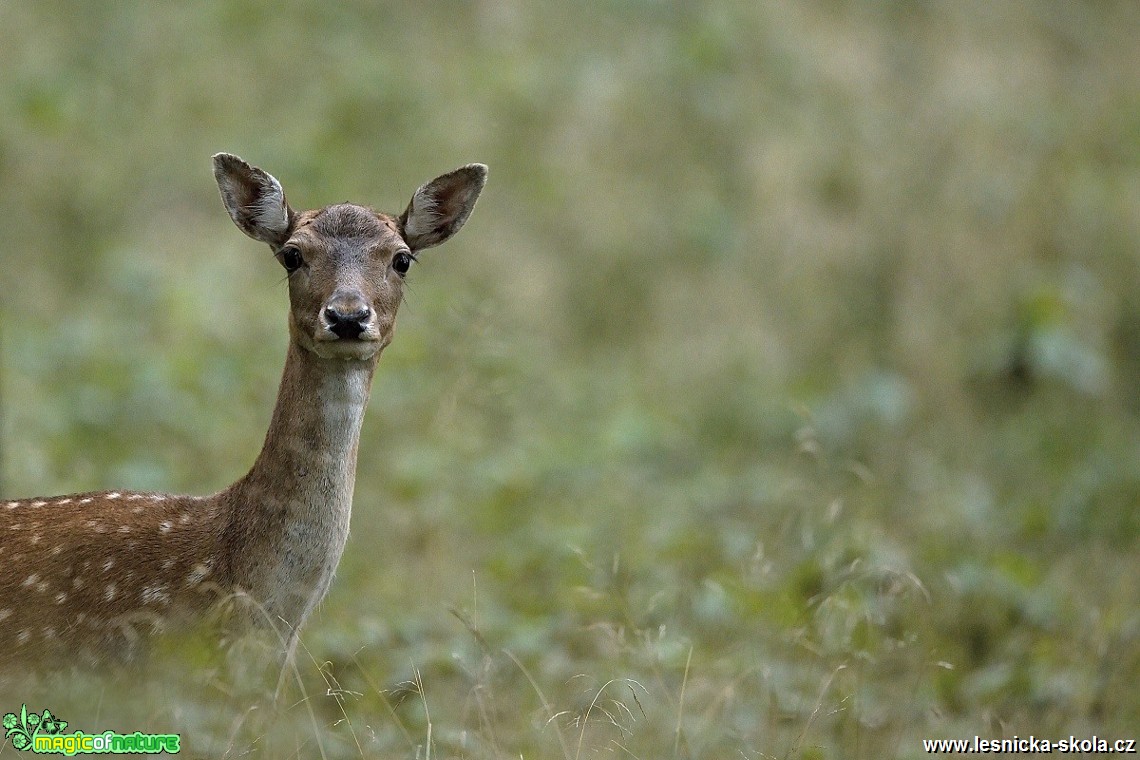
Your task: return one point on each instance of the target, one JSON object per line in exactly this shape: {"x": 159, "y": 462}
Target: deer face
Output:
{"x": 346, "y": 263}
{"x": 346, "y": 268}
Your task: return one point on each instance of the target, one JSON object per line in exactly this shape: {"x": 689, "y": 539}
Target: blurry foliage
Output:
{"x": 780, "y": 398}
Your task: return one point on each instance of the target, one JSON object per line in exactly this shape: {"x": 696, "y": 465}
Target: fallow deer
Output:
{"x": 90, "y": 577}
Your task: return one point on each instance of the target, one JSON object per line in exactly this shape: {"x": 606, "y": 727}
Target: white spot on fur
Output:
{"x": 61, "y": 502}
{"x": 137, "y": 510}
{"x": 42, "y": 587}
{"x": 15, "y": 526}
{"x": 197, "y": 575}
{"x": 60, "y": 598}
{"x": 165, "y": 526}
{"x": 31, "y": 580}
{"x": 114, "y": 495}
{"x": 49, "y": 633}
{"x": 155, "y": 595}
{"x": 12, "y": 504}
{"x": 35, "y": 538}
{"x": 124, "y": 529}
{"x": 185, "y": 518}
{"x": 157, "y": 497}
{"x": 38, "y": 503}
{"x": 135, "y": 497}
{"x": 110, "y": 591}
{"x": 56, "y": 550}
{"x": 23, "y": 637}
{"x": 108, "y": 565}
{"x": 167, "y": 563}
{"x": 85, "y": 501}
{"x": 4, "y": 614}
{"x": 77, "y": 582}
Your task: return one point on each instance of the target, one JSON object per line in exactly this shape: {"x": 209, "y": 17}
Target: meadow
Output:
{"x": 781, "y": 398}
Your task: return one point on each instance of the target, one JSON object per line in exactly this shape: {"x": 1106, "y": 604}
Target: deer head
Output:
{"x": 346, "y": 263}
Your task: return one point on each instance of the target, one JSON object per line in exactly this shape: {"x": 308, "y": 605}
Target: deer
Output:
{"x": 93, "y": 577}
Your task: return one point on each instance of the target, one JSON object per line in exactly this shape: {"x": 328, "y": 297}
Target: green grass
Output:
{"x": 778, "y": 401}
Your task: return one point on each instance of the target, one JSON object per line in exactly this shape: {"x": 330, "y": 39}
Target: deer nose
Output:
{"x": 347, "y": 315}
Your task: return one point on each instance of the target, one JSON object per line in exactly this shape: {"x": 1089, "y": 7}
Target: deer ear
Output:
{"x": 254, "y": 200}
{"x": 439, "y": 208}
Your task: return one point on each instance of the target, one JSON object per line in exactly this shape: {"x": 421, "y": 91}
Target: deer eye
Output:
{"x": 290, "y": 258}
{"x": 401, "y": 262}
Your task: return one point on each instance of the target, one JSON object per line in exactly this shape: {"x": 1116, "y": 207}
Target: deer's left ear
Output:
{"x": 439, "y": 208}
{"x": 254, "y": 199}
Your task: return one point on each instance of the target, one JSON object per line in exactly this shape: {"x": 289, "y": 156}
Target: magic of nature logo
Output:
{"x": 44, "y": 733}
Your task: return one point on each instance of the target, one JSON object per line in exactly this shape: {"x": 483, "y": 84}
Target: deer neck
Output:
{"x": 289, "y": 516}
{"x": 315, "y": 429}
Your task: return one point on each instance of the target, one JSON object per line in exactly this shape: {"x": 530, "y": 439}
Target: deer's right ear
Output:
{"x": 254, "y": 200}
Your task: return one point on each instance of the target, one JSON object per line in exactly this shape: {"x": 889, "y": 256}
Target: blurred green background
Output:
{"x": 780, "y": 398}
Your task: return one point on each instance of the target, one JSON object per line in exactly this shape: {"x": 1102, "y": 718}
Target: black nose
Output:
{"x": 347, "y": 324}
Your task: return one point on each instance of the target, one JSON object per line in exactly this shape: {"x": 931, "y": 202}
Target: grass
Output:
{"x": 778, "y": 401}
